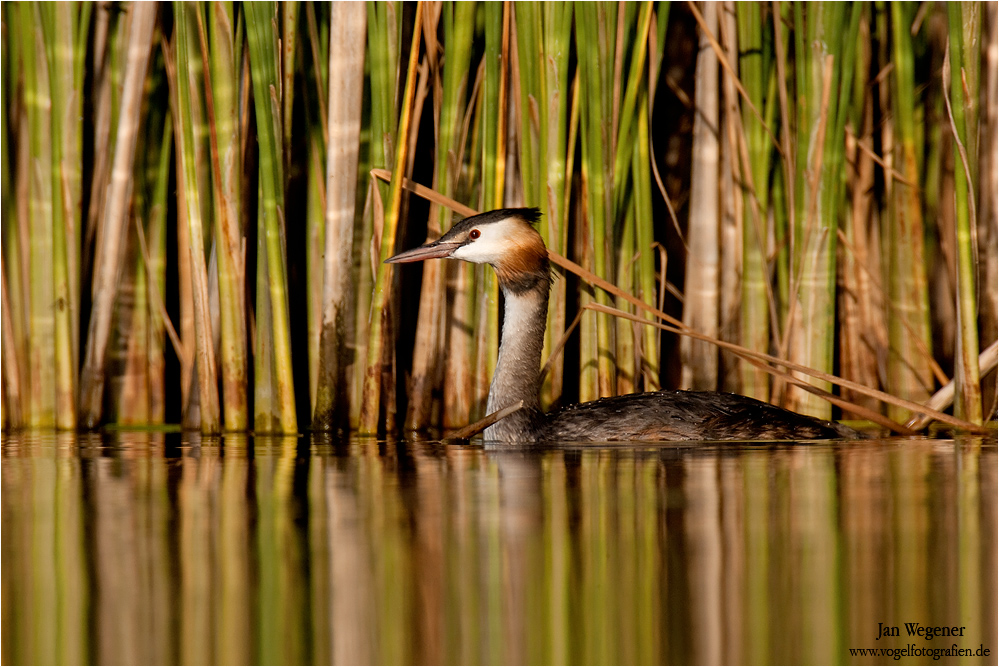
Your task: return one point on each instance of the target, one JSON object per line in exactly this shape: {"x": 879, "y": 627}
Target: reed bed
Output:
{"x": 199, "y": 196}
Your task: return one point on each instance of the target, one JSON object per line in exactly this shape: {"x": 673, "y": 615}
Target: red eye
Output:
{"x": 474, "y": 234}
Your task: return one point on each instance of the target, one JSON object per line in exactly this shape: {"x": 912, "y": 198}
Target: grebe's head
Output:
{"x": 504, "y": 238}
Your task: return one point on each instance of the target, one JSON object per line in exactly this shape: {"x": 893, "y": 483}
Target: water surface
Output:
{"x": 167, "y": 548}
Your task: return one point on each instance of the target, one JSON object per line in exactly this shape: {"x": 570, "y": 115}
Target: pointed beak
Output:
{"x": 432, "y": 250}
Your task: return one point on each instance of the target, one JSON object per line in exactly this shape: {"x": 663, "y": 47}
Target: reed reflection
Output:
{"x": 153, "y": 548}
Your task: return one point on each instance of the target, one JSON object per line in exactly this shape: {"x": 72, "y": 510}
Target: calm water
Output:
{"x": 153, "y": 548}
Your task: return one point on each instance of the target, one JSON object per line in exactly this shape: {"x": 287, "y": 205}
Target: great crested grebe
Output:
{"x": 506, "y": 240}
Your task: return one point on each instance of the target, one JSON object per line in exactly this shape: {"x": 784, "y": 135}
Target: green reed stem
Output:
{"x": 261, "y": 26}
{"x": 755, "y": 70}
{"x": 13, "y": 332}
{"x": 315, "y": 234}
{"x": 544, "y": 36}
{"x": 14, "y": 328}
{"x": 459, "y": 394}
{"x": 493, "y": 109}
{"x": 494, "y": 145}
{"x": 624, "y": 335}
{"x": 555, "y": 122}
{"x": 909, "y": 374}
{"x": 316, "y": 116}
{"x": 636, "y": 81}
{"x": 229, "y": 237}
{"x": 965, "y": 22}
{"x": 42, "y": 325}
{"x": 67, "y": 128}
{"x": 595, "y": 27}
{"x": 289, "y": 37}
{"x": 530, "y": 49}
{"x": 380, "y": 326}
{"x": 384, "y": 34}
{"x": 156, "y": 229}
{"x": 824, "y": 67}
{"x": 645, "y": 237}
{"x": 186, "y": 31}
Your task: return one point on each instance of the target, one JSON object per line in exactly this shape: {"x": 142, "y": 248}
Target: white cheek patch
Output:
{"x": 481, "y": 251}
{"x": 493, "y": 243}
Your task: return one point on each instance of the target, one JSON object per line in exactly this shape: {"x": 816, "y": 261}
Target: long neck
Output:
{"x": 519, "y": 362}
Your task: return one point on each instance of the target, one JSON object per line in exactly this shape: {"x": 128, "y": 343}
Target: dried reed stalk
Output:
{"x": 346, "y": 83}
{"x": 115, "y": 217}
{"x": 701, "y": 281}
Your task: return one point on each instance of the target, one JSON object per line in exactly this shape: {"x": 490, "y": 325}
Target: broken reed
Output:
{"x": 816, "y": 226}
